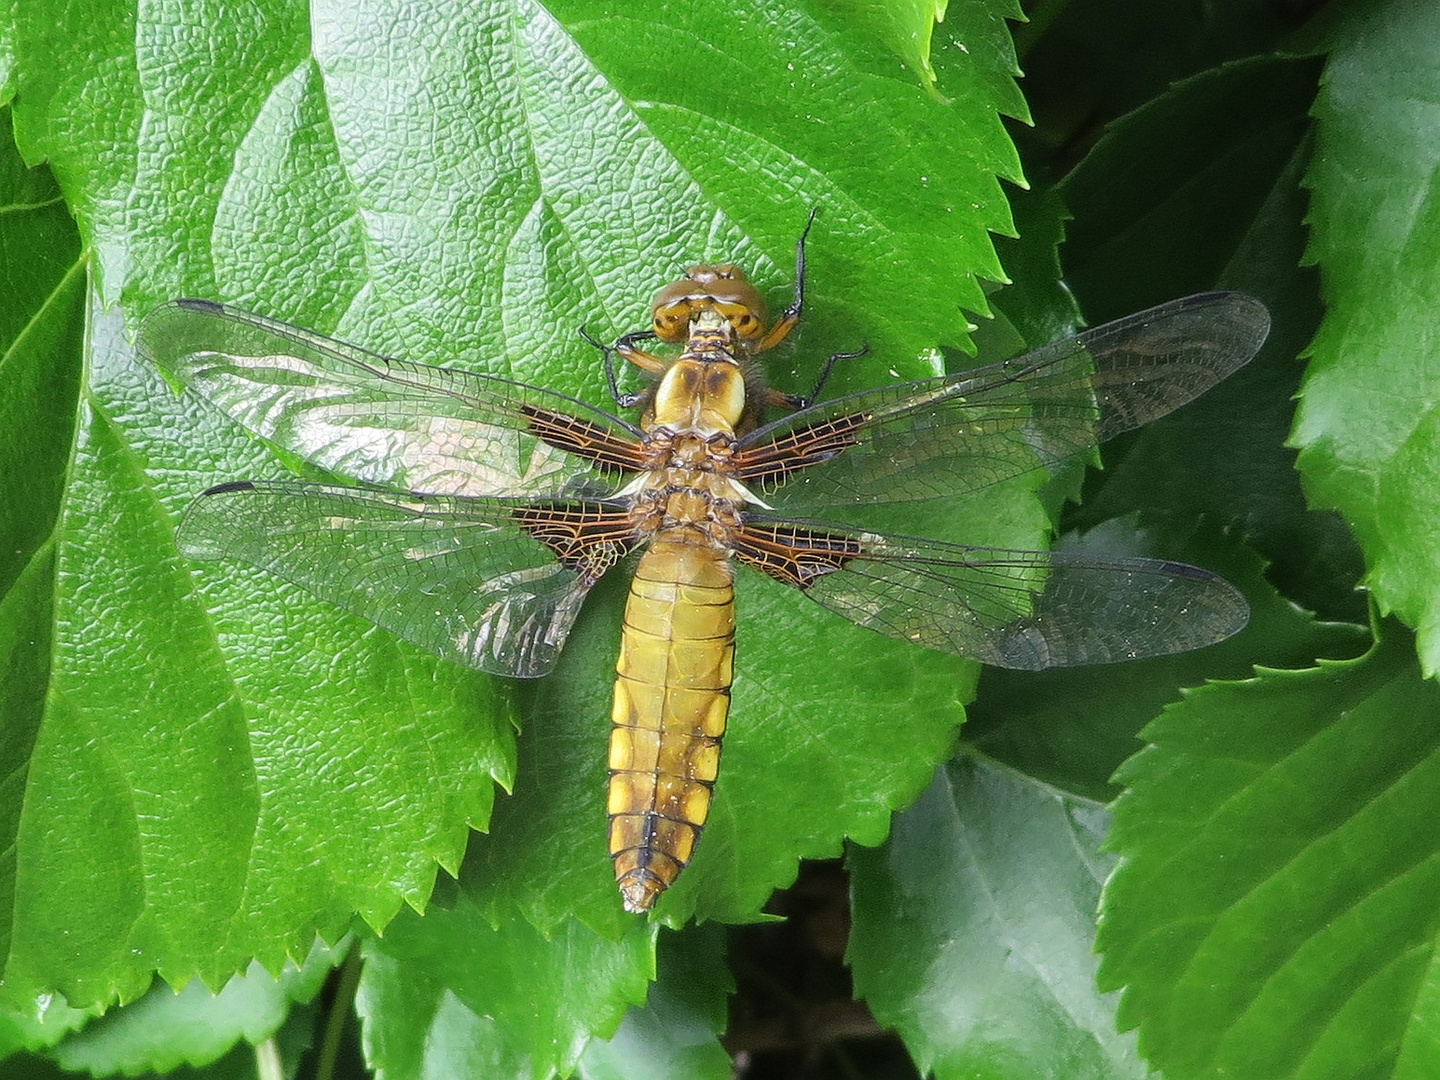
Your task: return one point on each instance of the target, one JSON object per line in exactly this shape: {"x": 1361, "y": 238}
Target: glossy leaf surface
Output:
{"x": 1316, "y": 903}
{"x": 1366, "y": 426}
{"x": 237, "y": 766}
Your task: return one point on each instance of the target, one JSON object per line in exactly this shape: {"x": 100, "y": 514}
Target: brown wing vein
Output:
{"x": 586, "y": 537}
{"x": 793, "y": 553}
{"x": 585, "y": 439}
{"x": 773, "y": 462}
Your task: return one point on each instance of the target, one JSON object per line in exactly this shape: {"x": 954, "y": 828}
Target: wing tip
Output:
{"x": 1256, "y": 316}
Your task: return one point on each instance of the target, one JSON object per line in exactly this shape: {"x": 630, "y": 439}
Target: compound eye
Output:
{"x": 672, "y": 322}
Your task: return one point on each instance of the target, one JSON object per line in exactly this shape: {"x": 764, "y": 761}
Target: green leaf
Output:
{"x": 42, "y": 282}
{"x": 1367, "y": 427}
{"x": 676, "y": 1032}
{"x": 165, "y": 1028}
{"x": 1039, "y": 303}
{"x": 187, "y": 760}
{"x": 975, "y": 55}
{"x": 42, "y": 274}
{"x": 905, "y": 28}
{"x": 415, "y": 1026}
{"x": 27, "y": 1067}
{"x": 596, "y": 174}
{"x": 454, "y": 994}
{"x": 1273, "y": 913}
{"x": 973, "y": 930}
{"x": 7, "y": 53}
{"x": 974, "y": 59}
{"x": 205, "y": 765}
{"x": 1201, "y": 193}
{"x": 1089, "y": 61}
{"x": 994, "y": 862}
{"x": 37, "y": 1023}
{"x": 235, "y": 766}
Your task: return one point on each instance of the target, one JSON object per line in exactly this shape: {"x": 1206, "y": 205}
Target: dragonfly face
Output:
{"x": 723, "y": 290}
{"x": 485, "y": 509}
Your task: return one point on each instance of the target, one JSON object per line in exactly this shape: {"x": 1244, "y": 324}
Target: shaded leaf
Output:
{"x": 1199, "y": 187}
{"x": 1073, "y": 727}
{"x": 1210, "y": 163}
{"x": 41, "y": 347}
{"x": 677, "y": 1031}
{"x": 1039, "y": 303}
{"x": 167, "y": 1028}
{"x": 454, "y": 994}
{"x": 973, "y": 930}
{"x": 1274, "y": 910}
{"x": 1090, "y": 61}
{"x": 38, "y": 1022}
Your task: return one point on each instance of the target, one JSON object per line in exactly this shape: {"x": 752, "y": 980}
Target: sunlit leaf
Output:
{"x": 1263, "y": 924}
{"x": 1367, "y": 427}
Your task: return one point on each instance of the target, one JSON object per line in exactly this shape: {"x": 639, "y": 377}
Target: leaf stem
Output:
{"x": 267, "y": 1060}
{"x": 341, "y": 1007}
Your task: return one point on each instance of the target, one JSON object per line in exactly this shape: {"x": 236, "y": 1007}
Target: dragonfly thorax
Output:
{"x": 703, "y": 505}
{"x": 704, "y": 396}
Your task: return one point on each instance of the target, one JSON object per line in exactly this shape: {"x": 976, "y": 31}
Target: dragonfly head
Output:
{"x": 724, "y": 289}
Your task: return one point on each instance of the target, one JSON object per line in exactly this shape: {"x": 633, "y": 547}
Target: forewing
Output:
{"x": 1015, "y": 609}
{"x": 477, "y": 581}
{"x": 382, "y": 421}
{"x": 958, "y": 433}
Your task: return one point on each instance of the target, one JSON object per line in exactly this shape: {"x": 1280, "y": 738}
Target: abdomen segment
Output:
{"x": 672, "y": 696}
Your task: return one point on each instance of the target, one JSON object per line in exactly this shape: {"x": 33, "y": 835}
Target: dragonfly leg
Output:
{"x": 781, "y": 400}
{"x": 791, "y": 315}
{"x": 625, "y": 347}
{"x": 645, "y": 361}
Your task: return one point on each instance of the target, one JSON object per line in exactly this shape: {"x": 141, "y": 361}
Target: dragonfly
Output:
{"x": 477, "y": 511}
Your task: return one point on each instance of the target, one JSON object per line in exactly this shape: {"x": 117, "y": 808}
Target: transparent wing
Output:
{"x": 958, "y": 433}
{"x": 381, "y": 421}
{"x": 1015, "y": 609}
{"x": 482, "y": 582}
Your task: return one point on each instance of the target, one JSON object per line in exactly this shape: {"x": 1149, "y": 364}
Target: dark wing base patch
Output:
{"x": 585, "y": 439}
{"x": 793, "y": 553}
{"x": 586, "y": 537}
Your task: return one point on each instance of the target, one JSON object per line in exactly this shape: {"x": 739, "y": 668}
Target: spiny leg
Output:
{"x": 791, "y": 315}
{"x": 625, "y": 347}
{"x": 794, "y": 402}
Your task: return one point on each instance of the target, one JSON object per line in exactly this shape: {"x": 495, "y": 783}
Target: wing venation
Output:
{"x": 401, "y": 425}
{"x": 1015, "y": 609}
{"x": 466, "y": 578}
{"x": 959, "y": 433}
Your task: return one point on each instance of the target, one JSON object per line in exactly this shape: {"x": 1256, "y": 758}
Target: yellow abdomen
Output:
{"x": 672, "y": 696}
